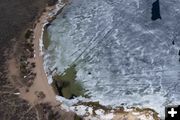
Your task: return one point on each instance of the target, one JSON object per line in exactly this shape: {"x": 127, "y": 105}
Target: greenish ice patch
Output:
{"x": 46, "y": 39}
{"x": 65, "y": 84}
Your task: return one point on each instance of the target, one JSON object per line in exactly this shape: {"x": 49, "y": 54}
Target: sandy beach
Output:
{"x": 40, "y": 83}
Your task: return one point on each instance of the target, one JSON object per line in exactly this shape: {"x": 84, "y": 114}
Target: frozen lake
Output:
{"x": 122, "y": 56}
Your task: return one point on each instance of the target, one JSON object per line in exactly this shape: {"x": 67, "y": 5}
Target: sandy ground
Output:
{"x": 40, "y": 82}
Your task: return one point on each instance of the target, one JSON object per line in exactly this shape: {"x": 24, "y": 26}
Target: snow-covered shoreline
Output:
{"x": 59, "y": 5}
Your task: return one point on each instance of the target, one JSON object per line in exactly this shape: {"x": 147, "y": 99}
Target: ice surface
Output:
{"x": 131, "y": 59}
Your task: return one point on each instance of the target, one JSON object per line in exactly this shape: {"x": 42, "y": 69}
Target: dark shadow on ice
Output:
{"x": 155, "y": 11}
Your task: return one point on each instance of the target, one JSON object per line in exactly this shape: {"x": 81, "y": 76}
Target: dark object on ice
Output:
{"x": 173, "y": 42}
{"x": 179, "y": 53}
{"x": 155, "y": 11}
